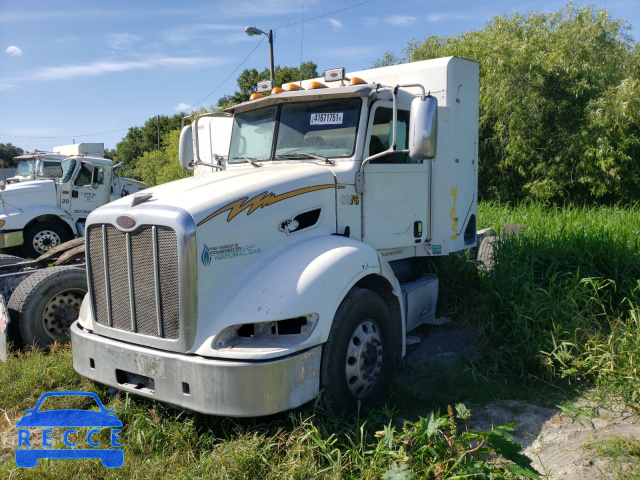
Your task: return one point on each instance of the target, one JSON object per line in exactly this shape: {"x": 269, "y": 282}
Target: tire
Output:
{"x": 46, "y": 303}
{"x": 358, "y": 357}
{"x": 486, "y": 252}
{"x": 43, "y": 236}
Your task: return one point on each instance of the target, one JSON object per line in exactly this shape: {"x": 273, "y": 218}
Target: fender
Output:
{"x": 312, "y": 277}
{"x": 27, "y": 214}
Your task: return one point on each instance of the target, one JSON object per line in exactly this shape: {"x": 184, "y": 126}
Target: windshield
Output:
{"x": 48, "y": 169}
{"x": 25, "y": 168}
{"x": 68, "y": 166}
{"x": 325, "y": 128}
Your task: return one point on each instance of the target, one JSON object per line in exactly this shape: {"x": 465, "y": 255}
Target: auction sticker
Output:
{"x": 327, "y": 118}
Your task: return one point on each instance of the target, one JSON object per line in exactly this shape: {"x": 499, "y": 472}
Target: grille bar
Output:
{"x": 156, "y": 276}
{"x": 134, "y": 279}
{"x": 106, "y": 274}
{"x": 132, "y": 298}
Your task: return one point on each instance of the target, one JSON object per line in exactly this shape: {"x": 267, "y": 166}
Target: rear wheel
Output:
{"x": 358, "y": 357}
{"x": 42, "y": 237}
{"x": 46, "y": 303}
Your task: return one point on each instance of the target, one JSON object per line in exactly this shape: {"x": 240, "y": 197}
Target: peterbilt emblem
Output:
{"x": 125, "y": 221}
{"x": 288, "y": 226}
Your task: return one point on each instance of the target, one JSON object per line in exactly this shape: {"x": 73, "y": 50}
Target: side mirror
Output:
{"x": 423, "y": 128}
{"x": 185, "y": 149}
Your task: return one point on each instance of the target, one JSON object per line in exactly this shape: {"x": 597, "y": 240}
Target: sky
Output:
{"x": 86, "y": 71}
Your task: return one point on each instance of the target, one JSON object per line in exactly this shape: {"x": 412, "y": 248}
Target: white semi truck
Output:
{"x": 44, "y": 213}
{"x": 281, "y": 274}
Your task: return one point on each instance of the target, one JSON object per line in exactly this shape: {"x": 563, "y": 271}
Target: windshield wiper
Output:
{"x": 307, "y": 155}
{"x": 252, "y": 161}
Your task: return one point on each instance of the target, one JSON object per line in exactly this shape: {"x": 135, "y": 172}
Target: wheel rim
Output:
{"x": 45, "y": 240}
{"x": 61, "y": 311}
{"x": 364, "y": 358}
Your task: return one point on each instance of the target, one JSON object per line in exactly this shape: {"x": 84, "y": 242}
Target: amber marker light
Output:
{"x": 315, "y": 85}
{"x": 255, "y": 96}
{"x": 292, "y": 87}
{"x": 277, "y": 90}
{"x": 356, "y": 81}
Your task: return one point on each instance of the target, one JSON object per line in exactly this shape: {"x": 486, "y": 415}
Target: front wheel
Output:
{"x": 42, "y": 237}
{"x": 46, "y": 303}
{"x": 358, "y": 357}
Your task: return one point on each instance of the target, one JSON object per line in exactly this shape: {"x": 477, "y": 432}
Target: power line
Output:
{"x": 284, "y": 26}
{"x": 236, "y": 69}
{"x": 327, "y": 14}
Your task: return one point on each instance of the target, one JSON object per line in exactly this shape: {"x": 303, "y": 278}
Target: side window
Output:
{"x": 84, "y": 175}
{"x": 100, "y": 177}
{"x": 382, "y": 135}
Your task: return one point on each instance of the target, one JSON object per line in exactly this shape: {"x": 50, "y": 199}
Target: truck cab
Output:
{"x": 43, "y": 213}
{"x": 276, "y": 272}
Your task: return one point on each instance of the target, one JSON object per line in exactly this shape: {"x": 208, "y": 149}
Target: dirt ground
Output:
{"x": 553, "y": 439}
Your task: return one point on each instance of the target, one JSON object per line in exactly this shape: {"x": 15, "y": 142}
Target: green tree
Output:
{"x": 7, "y": 152}
{"x": 139, "y": 140}
{"x": 161, "y": 166}
{"x": 249, "y": 78}
{"x": 550, "y": 90}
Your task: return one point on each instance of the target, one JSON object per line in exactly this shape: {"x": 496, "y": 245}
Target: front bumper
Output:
{"x": 11, "y": 239}
{"x": 211, "y": 386}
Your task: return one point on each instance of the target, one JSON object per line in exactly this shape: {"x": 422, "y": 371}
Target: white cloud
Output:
{"x": 182, "y": 107}
{"x": 335, "y": 23}
{"x": 400, "y": 20}
{"x": 101, "y": 68}
{"x": 439, "y": 17}
{"x": 370, "y": 22}
{"x": 6, "y": 86}
{"x": 184, "y": 35}
{"x": 120, "y": 41}
{"x": 13, "y": 50}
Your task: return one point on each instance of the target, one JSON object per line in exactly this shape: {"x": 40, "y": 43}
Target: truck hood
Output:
{"x": 18, "y": 196}
{"x": 231, "y": 193}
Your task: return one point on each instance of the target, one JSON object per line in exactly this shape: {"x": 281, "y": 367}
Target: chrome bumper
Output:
{"x": 211, "y": 386}
{"x": 11, "y": 239}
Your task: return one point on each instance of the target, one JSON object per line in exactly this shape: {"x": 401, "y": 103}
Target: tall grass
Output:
{"x": 562, "y": 299}
{"x": 304, "y": 443}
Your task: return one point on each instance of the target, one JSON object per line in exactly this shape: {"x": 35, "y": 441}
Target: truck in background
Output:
{"x": 46, "y": 165}
{"x": 42, "y": 214}
{"x": 283, "y": 273}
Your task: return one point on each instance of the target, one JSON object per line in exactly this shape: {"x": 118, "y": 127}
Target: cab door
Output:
{"x": 395, "y": 202}
{"x": 88, "y": 190}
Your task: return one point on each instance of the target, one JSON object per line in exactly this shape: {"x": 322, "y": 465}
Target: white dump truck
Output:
{"x": 282, "y": 273}
{"x": 44, "y": 213}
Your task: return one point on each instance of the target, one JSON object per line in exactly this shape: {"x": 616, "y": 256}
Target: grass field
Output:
{"x": 558, "y": 313}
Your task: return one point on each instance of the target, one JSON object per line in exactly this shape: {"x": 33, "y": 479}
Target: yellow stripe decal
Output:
{"x": 262, "y": 200}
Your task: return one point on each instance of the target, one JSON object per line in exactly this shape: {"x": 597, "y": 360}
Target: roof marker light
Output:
{"x": 255, "y": 96}
{"x": 315, "y": 85}
{"x": 293, "y": 87}
{"x": 277, "y": 90}
{"x": 356, "y": 81}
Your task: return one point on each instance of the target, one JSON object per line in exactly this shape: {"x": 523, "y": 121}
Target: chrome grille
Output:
{"x": 134, "y": 279}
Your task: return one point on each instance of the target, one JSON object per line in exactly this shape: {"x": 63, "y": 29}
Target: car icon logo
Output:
{"x": 66, "y": 421}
